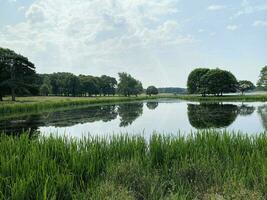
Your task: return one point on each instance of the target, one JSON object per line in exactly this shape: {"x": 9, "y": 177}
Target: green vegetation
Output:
{"x": 262, "y": 83}
{"x": 205, "y": 165}
{"x": 244, "y": 86}
{"x": 16, "y": 74}
{"x": 211, "y": 81}
{"x": 128, "y": 85}
{"x": 152, "y": 90}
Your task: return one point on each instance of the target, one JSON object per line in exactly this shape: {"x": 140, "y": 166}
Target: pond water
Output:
{"x": 145, "y": 117}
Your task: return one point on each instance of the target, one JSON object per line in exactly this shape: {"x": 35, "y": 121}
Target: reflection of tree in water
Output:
{"x": 215, "y": 115}
{"x": 245, "y": 110}
{"x": 58, "y": 119}
{"x": 129, "y": 113}
{"x": 152, "y": 105}
{"x": 262, "y": 110}
{"x": 13, "y": 126}
{"x": 82, "y": 115}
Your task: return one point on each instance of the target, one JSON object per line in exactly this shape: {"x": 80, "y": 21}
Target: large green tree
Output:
{"x": 217, "y": 82}
{"x": 17, "y": 72}
{"x": 262, "y": 83}
{"x": 194, "y": 82}
{"x": 129, "y": 85}
{"x": 108, "y": 85}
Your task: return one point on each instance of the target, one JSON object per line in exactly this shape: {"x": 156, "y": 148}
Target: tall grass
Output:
{"x": 205, "y": 165}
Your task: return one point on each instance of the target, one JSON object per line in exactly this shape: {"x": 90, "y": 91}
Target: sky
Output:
{"x": 157, "y": 41}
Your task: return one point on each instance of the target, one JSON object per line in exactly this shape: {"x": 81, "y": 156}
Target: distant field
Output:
{"x": 208, "y": 165}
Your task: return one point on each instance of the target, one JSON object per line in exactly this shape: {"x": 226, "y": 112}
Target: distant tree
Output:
{"x": 194, "y": 82}
{"x": 108, "y": 85}
{"x": 88, "y": 85}
{"x": 152, "y": 90}
{"x": 262, "y": 83}
{"x": 128, "y": 85}
{"x": 244, "y": 86}
{"x": 44, "y": 90}
{"x": 18, "y": 72}
{"x": 218, "y": 81}
{"x": 72, "y": 85}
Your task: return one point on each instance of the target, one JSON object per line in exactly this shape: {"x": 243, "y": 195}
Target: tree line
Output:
{"x": 18, "y": 77}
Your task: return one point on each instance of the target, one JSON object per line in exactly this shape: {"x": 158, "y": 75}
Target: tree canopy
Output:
{"x": 17, "y": 73}
{"x": 211, "y": 81}
{"x": 152, "y": 90}
{"x": 129, "y": 85}
{"x": 262, "y": 83}
{"x": 244, "y": 86}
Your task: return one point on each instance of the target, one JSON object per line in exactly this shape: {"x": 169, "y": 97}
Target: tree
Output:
{"x": 44, "y": 90}
{"x": 108, "y": 85}
{"x": 72, "y": 85}
{"x": 217, "y": 82}
{"x": 128, "y": 85}
{"x": 88, "y": 85}
{"x": 19, "y": 71}
{"x": 262, "y": 83}
{"x": 194, "y": 82}
{"x": 152, "y": 90}
{"x": 244, "y": 86}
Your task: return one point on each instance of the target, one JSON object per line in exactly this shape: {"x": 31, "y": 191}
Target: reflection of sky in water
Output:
{"x": 168, "y": 118}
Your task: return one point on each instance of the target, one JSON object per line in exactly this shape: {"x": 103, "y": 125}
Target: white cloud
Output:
{"x": 216, "y": 7}
{"x": 248, "y": 8}
{"x": 76, "y": 34}
{"x": 260, "y": 23}
{"x": 232, "y": 27}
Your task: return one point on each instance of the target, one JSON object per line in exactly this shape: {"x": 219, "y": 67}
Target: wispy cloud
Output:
{"x": 232, "y": 27}
{"x": 216, "y": 7}
{"x": 260, "y": 23}
{"x": 249, "y": 8}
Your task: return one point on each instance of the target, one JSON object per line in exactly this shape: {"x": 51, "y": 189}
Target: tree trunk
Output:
{"x": 1, "y": 97}
{"x": 13, "y": 94}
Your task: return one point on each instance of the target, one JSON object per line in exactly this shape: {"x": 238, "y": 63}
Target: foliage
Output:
{"x": 218, "y": 81}
{"x": 244, "y": 86}
{"x": 262, "y": 83}
{"x": 44, "y": 90}
{"x": 152, "y": 90}
{"x": 17, "y": 73}
{"x": 215, "y": 81}
{"x": 129, "y": 85}
{"x": 205, "y": 165}
{"x": 194, "y": 82}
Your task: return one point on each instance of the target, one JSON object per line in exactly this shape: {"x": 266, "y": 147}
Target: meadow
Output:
{"x": 205, "y": 165}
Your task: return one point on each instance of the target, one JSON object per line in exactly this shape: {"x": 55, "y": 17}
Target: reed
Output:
{"x": 205, "y": 165}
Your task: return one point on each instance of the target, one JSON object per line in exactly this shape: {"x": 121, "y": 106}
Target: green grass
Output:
{"x": 205, "y": 165}
{"x": 37, "y": 104}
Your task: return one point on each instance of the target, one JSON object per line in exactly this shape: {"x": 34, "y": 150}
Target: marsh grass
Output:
{"x": 204, "y": 165}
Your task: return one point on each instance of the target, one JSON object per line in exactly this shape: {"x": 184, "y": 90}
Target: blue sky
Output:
{"x": 158, "y": 41}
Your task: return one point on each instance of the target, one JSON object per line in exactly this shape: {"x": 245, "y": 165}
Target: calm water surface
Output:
{"x": 146, "y": 117}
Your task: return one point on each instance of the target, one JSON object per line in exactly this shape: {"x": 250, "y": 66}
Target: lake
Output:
{"x": 145, "y": 117}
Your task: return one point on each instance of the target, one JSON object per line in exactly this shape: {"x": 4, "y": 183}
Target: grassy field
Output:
{"x": 206, "y": 165}
{"x": 34, "y": 104}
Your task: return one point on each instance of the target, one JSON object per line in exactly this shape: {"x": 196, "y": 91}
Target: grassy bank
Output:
{"x": 34, "y": 104}
{"x": 37, "y": 104}
{"x": 207, "y": 165}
